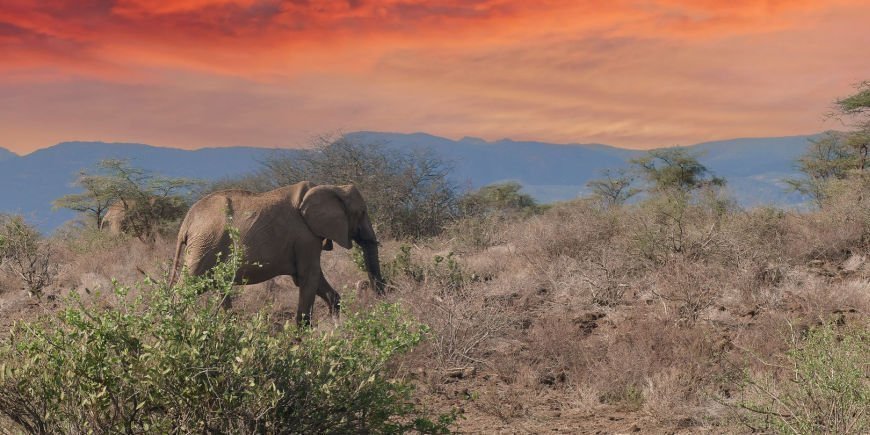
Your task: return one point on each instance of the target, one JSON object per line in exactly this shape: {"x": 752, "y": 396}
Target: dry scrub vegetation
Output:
{"x": 678, "y": 312}
{"x": 586, "y": 318}
{"x": 580, "y": 313}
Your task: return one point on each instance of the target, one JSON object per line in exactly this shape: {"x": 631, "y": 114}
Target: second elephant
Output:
{"x": 141, "y": 218}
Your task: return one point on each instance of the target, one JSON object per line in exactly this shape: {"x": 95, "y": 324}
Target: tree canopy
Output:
{"x": 857, "y": 103}
{"x": 499, "y": 198}
{"x": 613, "y": 188}
{"x": 675, "y": 169}
{"x": 838, "y": 155}
{"x": 856, "y": 108}
{"x": 145, "y": 197}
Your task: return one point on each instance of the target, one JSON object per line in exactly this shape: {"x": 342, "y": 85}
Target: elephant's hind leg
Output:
{"x": 309, "y": 284}
{"x": 199, "y": 263}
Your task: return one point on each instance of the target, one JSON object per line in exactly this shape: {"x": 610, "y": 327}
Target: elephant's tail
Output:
{"x": 179, "y": 248}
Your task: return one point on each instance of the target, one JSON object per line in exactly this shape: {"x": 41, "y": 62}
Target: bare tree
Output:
{"x": 408, "y": 192}
{"x": 26, "y": 254}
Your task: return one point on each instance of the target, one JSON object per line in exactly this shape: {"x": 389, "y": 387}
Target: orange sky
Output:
{"x": 629, "y": 73}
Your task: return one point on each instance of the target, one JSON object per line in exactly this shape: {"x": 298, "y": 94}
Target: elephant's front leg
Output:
{"x": 309, "y": 283}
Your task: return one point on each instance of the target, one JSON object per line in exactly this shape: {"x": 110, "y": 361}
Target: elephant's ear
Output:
{"x": 324, "y": 211}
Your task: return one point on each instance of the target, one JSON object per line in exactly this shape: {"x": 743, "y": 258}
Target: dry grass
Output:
{"x": 578, "y": 317}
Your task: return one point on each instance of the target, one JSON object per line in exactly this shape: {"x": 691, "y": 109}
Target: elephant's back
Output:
{"x": 250, "y": 212}
{"x": 204, "y": 222}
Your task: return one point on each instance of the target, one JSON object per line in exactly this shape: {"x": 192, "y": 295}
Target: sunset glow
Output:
{"x": 640, "y": 74}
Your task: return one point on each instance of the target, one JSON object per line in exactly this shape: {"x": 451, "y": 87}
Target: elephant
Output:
{"x": 140, "y": 218}
{"x": 282, "y": 232}
{"x": 113, "y": 221}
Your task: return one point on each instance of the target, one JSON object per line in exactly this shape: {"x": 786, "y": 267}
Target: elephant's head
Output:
{"x": 339, "y": 213}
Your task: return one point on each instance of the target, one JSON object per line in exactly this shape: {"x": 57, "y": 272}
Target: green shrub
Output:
{"x": 403, "y": 265}
{"x": 825, "y": 388}
{"x": 172, "y": 360}
{"x": 444, "y": 271}
{"x": 448, "y": 273}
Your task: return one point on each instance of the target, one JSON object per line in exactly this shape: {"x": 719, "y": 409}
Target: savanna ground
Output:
{"x": 658, "y": 317}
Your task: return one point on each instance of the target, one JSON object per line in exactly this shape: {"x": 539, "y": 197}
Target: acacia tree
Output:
{"x": 679, "y": 186}
{"x": 99, "y": 193}
{"x": 828, "y": 157}
{"x": 144, "y": 198}
{"x": 837, "y": 156}
{"x": 856, "y": 109}
{"x": 675, "y": 169}
{"x": 498, "y": 199}
{"x": 614, "y": 188}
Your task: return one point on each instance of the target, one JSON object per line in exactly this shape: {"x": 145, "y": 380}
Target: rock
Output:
{"x": 547, "y": 379}
{"x": 526, "y": 323}
{"x": 686, "y": 423}
{"x": 461, "y": 372}
{"x": 588, "y": 321}
{"x": 552, "y": 379}
{"x": 854, "y": 263}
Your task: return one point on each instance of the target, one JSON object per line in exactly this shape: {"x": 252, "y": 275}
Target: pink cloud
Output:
{"x": 227, "y": 72}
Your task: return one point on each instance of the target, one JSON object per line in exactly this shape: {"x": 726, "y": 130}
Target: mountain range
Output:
{"x": 754, "y": 167}
{"x": 6, "y": 154}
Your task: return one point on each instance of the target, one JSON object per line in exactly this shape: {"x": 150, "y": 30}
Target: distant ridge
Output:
{"x": 754, "y": 167}
{"x": 6, "y": 154}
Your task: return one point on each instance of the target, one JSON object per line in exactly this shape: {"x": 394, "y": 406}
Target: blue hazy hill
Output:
{"x": 754, "y": 167}
{"x": 6, "y": 154}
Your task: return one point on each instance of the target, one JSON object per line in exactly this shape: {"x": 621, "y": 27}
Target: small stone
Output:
{"x": 461, "y": 372}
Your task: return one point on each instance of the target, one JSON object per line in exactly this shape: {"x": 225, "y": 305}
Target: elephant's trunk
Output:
{"x": 369, "y": 243}
{"x": 373, "y": 265}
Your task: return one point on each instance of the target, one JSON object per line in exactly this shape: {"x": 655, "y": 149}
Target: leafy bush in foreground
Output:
{"x": 172, "y": 360}
{"x": 826, "y": 390}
